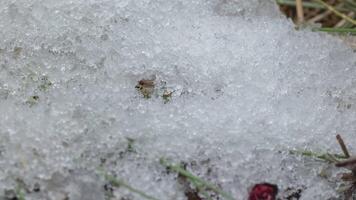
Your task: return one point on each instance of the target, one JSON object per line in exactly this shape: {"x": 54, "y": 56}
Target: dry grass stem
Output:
{"x": 300, "y": 11}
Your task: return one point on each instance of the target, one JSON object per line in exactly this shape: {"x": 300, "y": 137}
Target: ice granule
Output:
{"x": 245, "y": 86}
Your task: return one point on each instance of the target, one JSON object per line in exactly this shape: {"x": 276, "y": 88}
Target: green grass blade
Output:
{"x": 119, "y": 183}
{"x": 195, "y": 179}
{"x": 201, "y": 190}
{"x": 337, "y": 30}
{"x": 332, "y": 158}
{"x": 20, "y": 194}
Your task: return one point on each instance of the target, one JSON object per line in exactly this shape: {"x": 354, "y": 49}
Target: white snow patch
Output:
{"x": 247, "y": 89}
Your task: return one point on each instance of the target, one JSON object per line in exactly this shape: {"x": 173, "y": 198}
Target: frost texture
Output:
{"x": 246, "y": 87}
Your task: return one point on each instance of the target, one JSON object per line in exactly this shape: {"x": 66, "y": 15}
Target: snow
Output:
{"x": 246, "y": 88}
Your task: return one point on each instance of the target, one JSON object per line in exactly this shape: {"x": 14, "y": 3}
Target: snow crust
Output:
{"x": 247, "y": 88}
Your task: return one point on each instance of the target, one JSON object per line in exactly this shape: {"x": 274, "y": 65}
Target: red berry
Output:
{"x": 263, "y": 191}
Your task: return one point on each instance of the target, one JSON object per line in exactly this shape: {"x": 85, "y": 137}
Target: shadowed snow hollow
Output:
{"x": 227, "y": 86}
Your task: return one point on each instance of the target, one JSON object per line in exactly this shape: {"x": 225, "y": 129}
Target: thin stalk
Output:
{"x": 331, "y": 8}
{"x": 349, "y": 162}
{"x": 336, "y": 30}
{"x": 332, "y": 158}
{"x": 206, "y": 195}
{"x": 343, "y": 146}
{"x": 20, "y": 194}
{"x": 343, "y": 21}
{"x": 300, "y": 11}
{"x": 201, "y": 189}
{"x": 195, "y": 179}
{"x": 319, "y": 16}
{"x": 20, "y": 189}
{"x": 119, "y": 183}
{"x": 347, "y": 25}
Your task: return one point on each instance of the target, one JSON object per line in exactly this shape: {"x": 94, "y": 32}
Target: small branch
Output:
{"x": 319, "y": 16}
{"x": 348, "y": 177}
{"x": 343, "y": 146}
{"x": 346, "y": 163}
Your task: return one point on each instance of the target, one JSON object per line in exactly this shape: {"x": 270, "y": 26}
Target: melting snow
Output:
{"x": 235, "y": 87}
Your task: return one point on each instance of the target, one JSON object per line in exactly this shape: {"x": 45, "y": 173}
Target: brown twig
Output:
{"x": 300, "y": 11}
{"x": 319, "y": 16}
{"x": 343, "y": 146}
{"x": 346, "y": 163}
{"x": 348, "y": 177}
